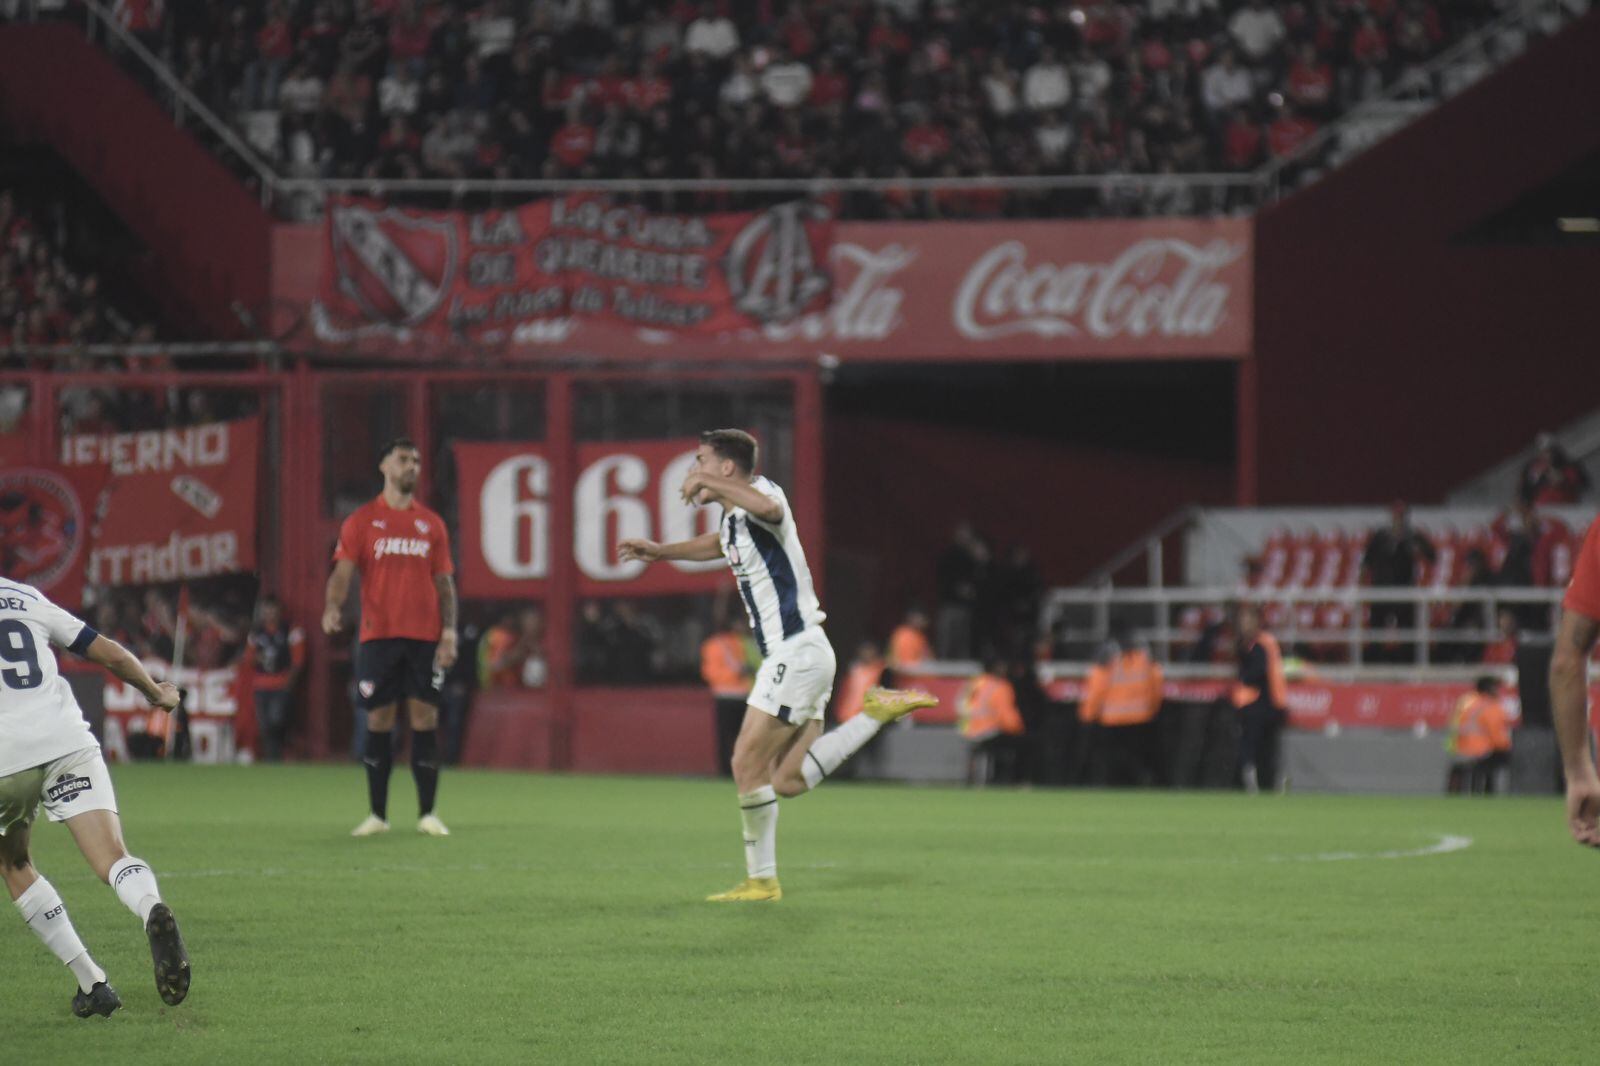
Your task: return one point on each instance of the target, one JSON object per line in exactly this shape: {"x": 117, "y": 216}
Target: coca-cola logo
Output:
{"x": 1162, "y": 286}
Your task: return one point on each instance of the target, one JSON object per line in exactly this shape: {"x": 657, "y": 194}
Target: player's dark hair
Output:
{"x": 398, "y": 444}
{"x": 734, "y": 444}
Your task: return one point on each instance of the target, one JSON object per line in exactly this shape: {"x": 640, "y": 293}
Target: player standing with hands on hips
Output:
{"x": 48, "y": 755}
{"x": 408, "y": 628}
{"x": 781, "y": 749}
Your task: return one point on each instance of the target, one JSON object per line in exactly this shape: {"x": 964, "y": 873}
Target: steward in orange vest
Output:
{"x": 1121, "y": 699}
{"x": 990, "y": 721}
{"x": 725, "y": 668}
{"x": 1261, "y": 696}
{"x": 1480, "y": 739}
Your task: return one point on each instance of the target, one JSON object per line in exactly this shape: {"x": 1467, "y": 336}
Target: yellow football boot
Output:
{"x": 750, "y": 890}
{"x": 892, "y": 704}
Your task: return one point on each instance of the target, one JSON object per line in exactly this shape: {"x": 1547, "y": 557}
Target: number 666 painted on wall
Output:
{"x": 623, "y": 489}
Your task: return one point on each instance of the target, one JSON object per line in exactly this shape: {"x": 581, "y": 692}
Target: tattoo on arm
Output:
{"x": 447, "y": 600}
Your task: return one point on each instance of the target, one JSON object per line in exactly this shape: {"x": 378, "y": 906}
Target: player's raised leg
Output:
{"x": 807, "y": 766}
{"x": 37, "y": 900}
{"x": 99, "y": 836}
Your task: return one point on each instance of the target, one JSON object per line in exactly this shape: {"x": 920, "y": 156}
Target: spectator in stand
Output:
{"x": 908, "y": 645}
{"x": 275, "y": 655}
{"x": 786, "y": 82}
{"x": 497, "y": 663}
{"x": 1390, "y": 561}
{"x": 1552, "y": 476}
{"x": 711, "y": 35}
{"x": 1288, "y": 131}
{"x": 1261, "y": 698}
{"x": 962, "y": 570}
{"x": 1480, "y": 739}
{"x": 1258, "y": 30}
{"x": 1241, "y": 141}
{"x": 990, "y": 722}
{"x": 1503, "y": 650}
{"x": 1310, "y": 82}
{"x": 1225, "y": 86}
{"x": 1121, "y": 700}
{"x": 725, "y": 668}
{"x": 1047, "y": 86}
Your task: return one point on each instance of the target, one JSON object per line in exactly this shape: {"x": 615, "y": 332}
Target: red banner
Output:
{"x": 513, "y": 276}
{"x": 623, "y": 489}
{"x": 1141, "y": 288}
{"x": 216, "y": 703}
{"x": 177, "y": 503}
{"x": 46, "y": 520}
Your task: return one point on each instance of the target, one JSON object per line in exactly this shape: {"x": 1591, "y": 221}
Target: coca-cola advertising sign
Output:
{"x": 796, "y": 288}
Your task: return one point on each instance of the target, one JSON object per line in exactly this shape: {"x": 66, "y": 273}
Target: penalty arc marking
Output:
{"x": 1444, "y": 845}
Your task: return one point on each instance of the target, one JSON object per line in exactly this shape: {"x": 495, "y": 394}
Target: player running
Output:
{"x": 781, "y": 749}
{"x": 48, "y": 755}
{"x": 408, "y": 628}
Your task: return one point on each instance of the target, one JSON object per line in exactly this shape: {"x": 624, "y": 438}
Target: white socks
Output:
{"x": 41, "y": 907}
{"x": 833, "y": 748}
{"x": 135, "y": 886}
{"x": 759, "y": 810}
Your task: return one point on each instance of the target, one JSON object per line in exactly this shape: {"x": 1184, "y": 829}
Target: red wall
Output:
{"x": 208, "y": 236}
{"x": 896, "y": 489}
{"x": 1391, "y": 362}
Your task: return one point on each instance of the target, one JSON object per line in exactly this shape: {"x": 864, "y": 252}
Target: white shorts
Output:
{"x": 70, "y": 785}
{"x": 795, "y": 681}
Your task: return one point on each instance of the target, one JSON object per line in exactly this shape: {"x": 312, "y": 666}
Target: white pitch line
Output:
{"x": 1446, "y": 843}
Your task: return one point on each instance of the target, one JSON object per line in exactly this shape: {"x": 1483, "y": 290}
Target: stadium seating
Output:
{"x": 641, "y": 89}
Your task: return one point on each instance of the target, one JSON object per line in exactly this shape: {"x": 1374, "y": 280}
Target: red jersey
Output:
{"x": 1583, "y": 594}
{"x": 398, "y": 553}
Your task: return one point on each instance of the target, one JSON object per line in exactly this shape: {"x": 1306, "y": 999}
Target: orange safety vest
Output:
{"x": 1128, "y": 692}
{"x": 722, "y": 665}
{"x": 1480, "y": 727}
{"x": 853, "y": 693}
{"x": 989, "y": 706}
{"x": 1261, "y": 663}
{"x": 908, "y": 648}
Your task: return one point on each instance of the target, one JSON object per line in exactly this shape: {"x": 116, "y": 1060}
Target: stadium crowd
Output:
{"x": 893, "y": 88}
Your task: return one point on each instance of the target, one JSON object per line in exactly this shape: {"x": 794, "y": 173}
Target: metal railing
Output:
{"x": 1085, "y": 617}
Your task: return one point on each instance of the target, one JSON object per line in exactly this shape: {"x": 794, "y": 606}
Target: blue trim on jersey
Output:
{"x": 783, "y": 580}
{"x": 755, "y": 615}
{"x": 80, "y": 643}
{"x": 19, "y": 592}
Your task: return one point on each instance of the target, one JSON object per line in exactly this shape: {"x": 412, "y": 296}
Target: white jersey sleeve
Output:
{"x": 39, "y": 717}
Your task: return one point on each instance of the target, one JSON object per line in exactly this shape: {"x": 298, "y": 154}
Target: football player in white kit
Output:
{"x": 48, "y": 755}
{"x": 781, "y": 749}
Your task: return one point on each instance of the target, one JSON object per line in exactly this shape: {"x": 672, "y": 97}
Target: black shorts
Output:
{"x": 395, "y": 669}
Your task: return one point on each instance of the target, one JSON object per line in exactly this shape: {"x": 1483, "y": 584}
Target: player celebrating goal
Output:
{"x": 48, "y": 755}
{"x": 781, "y": 749}
{"x": 408, "y": 628}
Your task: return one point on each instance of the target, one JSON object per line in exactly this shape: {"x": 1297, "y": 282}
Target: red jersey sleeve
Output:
{"x": 1583, "y": 594}
{"x": 440, "y": 556}
{"x": 349, "y": 547}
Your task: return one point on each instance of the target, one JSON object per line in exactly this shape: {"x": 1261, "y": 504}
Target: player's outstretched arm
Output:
{"x": 1569, "y": 703}
{"x": 103, "y": 651}
{"x": 704, "y": 488}
{"x": 338, "y": 591}
{"x": 701, "y": 549}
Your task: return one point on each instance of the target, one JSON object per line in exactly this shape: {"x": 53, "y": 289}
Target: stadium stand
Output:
{"x": 635, "y": 89}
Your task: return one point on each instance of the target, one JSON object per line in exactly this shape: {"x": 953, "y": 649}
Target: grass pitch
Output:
{"x": 564, "y": 923}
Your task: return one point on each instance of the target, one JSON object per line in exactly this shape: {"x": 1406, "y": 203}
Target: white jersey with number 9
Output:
{"x": 39, "y": 716}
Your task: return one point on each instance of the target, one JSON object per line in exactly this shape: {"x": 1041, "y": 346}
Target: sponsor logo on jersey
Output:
{"x": 42, "y": 530}
{"x": 66, "y": 788}
{"x": 400, "y": 546}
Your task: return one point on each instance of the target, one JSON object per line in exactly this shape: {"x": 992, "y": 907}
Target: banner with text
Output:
{"x": 175, "y": 504}
{"x": 568, "y": 276}
{"x": 623, "y": 489}
{"x": 509, "y": 276}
